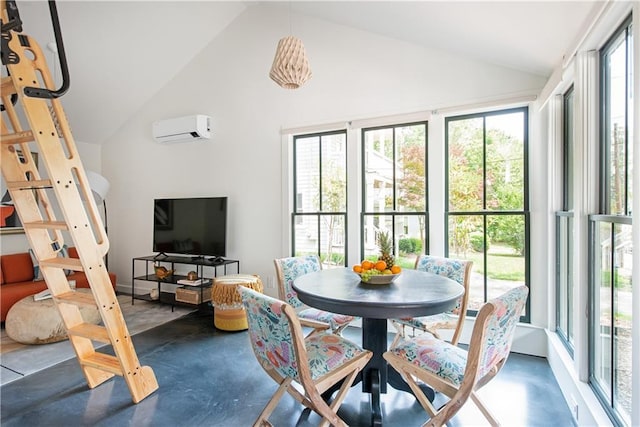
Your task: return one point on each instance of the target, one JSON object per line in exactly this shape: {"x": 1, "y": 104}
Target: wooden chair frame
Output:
{"x": 458, "y": 325}
{"x": 311, "y": 395}
{"x": 472, "y": 382}
{"x": 317, "y": 326}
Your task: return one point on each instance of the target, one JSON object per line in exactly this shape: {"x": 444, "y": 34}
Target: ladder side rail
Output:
{"x": 65, "y": 172}
{"x": 28, "y": 203}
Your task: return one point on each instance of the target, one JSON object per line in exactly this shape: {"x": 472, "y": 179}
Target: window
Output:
{"x": 611, "y": 234}
{"x": 319, "y": 218}
{"x": 564, "y": 230}
{"x": 394, "y": 191}
{"x": 486, "y": 207}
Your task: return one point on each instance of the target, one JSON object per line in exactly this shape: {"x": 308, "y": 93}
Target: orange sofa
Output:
{"x": 16, "y": 279}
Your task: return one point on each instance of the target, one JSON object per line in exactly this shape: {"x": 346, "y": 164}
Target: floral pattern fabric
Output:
{"x": 294, "y": 267}
{"x": 270, "y": 334}
{"x": 451, "y": 268}
{"x": 449, "y": 362}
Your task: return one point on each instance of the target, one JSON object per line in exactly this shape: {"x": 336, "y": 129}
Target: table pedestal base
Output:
{"x": 376, "y": 374}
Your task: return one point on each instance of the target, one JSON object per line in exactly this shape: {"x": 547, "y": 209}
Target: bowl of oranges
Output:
{"x": 377, "y": 272}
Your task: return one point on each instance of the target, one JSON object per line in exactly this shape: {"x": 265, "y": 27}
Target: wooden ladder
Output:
{"x": 66, "y": 183}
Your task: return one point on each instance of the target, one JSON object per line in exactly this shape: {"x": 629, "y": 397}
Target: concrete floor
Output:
{"x": 211, "y": 378}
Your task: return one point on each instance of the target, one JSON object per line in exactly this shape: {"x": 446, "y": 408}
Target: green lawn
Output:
{"x": 501, "y": 266}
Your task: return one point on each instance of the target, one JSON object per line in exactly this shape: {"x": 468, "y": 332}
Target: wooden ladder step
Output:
{"x": 49, "y": 225}
{"x": 66, "y": 263}
{"x": 104, "y": 362}
{"x": 91, "y": 331}
{"x": 7, "y": 87}
{"x": 77, "y": 298}
{"x": 29, "y": 185}
{"x": 17, "y": 138}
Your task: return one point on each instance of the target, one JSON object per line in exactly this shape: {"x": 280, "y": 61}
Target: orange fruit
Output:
{"x": 357, "y": 268}
{"x": 366, "y": 265}
{"x": 381, "y": 265}
{"x": 396, "y": 269}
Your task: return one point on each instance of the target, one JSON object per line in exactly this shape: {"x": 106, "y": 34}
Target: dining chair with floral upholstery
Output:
{"x": 455, "y": 269}
{"x": 455, "y": 372}
{"x": 316, "y": 363}
{"x": 289, "y": 269}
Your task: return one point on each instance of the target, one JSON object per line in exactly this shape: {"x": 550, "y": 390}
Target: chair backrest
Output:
{"x": 493, "y": 333}
{"x": 274, "y": 338}
{"x": 455, "y": 269}
{"x": 289, "y": 269}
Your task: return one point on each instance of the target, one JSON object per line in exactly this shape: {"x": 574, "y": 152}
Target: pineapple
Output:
{"x": 385, "y": 244}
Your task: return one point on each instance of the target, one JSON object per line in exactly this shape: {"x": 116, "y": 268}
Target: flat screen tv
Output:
{"x": 192, "y": 226}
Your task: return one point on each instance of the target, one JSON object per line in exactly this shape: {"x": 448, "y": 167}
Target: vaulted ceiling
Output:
{"x": 121, "y": 53}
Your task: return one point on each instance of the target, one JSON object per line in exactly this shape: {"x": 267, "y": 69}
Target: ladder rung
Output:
{"x": 49, "y": 225}
{"x": 67, "y": 263}
{"x": 29, "y": 185}
{"x": 17, "y": 138}
{"x": 8, "y": 88}
{"x": 77, "y": 298}
{"x": 91, "y": 331}
{"x": 103, "y": 361}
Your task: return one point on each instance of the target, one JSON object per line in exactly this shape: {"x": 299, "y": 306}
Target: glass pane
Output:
{"x": 569, "y": 272}
{"x": 466, "y": 238}
{"x": 602, "y": 308}
{"x": 562, "y": 285}
{"x": 373, "y": 226}
{"x": 305, "y": 238}
{"x": 630, "y": 129}
{"x": 307, "y": 179}
{"x": 616, "y": 126}
{"x": 411, "y": 168}
{"x": 505, "y": 254}
{"x": 567, "y": 153}
{"x": 378, "y": 170}
{"x": 334, "y": 173}
{"x": 465, "y": 160}
{"x": 411, "y": 233}
{"x": 332, "y": 241}
{"x": 505, "y": 161}
{"x": 623, "y": 316}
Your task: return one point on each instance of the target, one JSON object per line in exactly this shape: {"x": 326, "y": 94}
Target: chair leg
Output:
{"x": 487, "y": 414}
{"x": 271, "y": 405}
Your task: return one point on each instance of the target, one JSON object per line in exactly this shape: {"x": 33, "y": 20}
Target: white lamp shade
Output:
{"x": 290, "y": 67}
{"x": 98, "y": 184}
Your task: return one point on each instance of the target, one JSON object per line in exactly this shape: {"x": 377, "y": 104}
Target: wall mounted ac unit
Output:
{"x": 188, "y": 128}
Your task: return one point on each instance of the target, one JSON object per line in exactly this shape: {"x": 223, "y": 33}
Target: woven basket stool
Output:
{"x": 228, "y": 313}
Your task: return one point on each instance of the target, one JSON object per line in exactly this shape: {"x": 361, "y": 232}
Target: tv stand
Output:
{"x": 167, "y": 287}
{"x": 161, "y": 254}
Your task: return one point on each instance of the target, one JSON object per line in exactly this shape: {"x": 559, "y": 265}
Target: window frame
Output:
{"x": 565, "y": 217}
{"x": 484, "y": 213}
{"x": 295, "y": 215}
{"x": 393, "y": 213}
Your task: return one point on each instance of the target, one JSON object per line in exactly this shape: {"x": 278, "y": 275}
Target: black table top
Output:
{"x": 414, "y": 293}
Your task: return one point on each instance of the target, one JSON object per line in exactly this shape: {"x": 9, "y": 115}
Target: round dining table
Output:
{"x": 413, "y": 293}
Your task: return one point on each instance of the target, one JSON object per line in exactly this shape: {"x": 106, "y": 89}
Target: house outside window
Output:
{"x": 486, "y": 207}
{"x": 394, "y": 191}
{"x": 319, "y": 217}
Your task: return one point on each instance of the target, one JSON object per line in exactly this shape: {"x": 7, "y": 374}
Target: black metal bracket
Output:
{"x": 36, "y": 92}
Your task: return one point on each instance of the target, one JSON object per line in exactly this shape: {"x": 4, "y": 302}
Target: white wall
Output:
{"x": 356, "y": 75}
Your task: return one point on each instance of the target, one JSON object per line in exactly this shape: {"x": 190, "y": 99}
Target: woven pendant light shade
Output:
{"x": 290, "y": 67}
